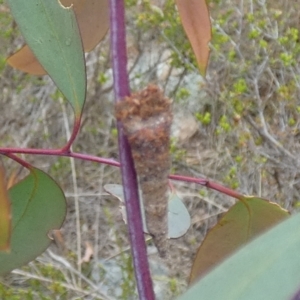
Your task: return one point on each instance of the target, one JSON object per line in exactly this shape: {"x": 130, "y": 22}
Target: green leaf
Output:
{"x": 38, "y": 206}
{"x": 266, "y": 269}
{"x": 52, "y": 33}
{"x": 241, "y": 223}
{"x": 179, "y": 219}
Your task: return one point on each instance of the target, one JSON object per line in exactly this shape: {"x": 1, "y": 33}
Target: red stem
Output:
{"x": 19, "y": 160}
{"x": 59, "y": 152}
{"x": 209, "y": 184}
{"x": 75, "y": 131}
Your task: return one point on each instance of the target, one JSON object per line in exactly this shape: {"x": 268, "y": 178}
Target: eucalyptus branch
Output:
{"x": 111, "y": 162}
{"x": 129, "y": 178}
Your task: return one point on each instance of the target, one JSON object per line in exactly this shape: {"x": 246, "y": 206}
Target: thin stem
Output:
{"x": 7, "y": 150}
{"x": 209, "y": 184}
{"x": 74, "y": 134}
{"x": 202, "y": 181}
{"x": 68, "y": 147}
{"x": 60, "y": 152}
{"x": 19, "y": 160}
{"x": 130, "y": 185}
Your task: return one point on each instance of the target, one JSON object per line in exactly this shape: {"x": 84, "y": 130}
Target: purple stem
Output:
{"x": 296, "y": 296}
{"x": 130, "y": 186}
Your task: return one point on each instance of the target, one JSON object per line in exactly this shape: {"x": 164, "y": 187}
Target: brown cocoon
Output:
{"x": 146, "y": 117}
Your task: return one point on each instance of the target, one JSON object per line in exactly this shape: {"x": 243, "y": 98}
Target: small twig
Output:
{"x": 176, "y": 50}
{"x": 96, "y": 289}
{"x": 263, "y": 131}
{"x": 209, "y": 184}
{"x": 44, "y": 279}
{"x": 202, "y": 181}
{"x": 76, "y": 198}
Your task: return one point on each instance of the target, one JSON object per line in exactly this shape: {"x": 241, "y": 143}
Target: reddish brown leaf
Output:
{"x": 25, "y": 61}
{"x": 93, "y": 21}
{"x": 57, "y": 236}
{"x": 246, "y": 219}
{"x": 196, "y": 23}
{"x": 5, "y": 215}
